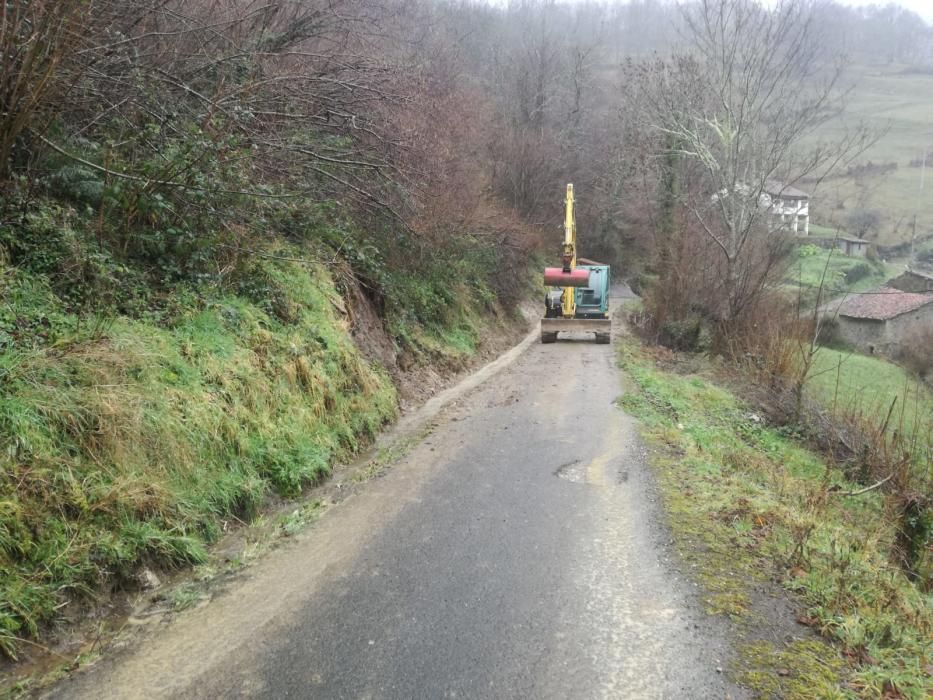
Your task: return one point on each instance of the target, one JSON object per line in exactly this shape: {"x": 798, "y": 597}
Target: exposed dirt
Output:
{"x": 416, "y": 381}
{"x": 90, "y": 628}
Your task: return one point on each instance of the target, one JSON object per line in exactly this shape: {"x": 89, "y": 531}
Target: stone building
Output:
{"x": 853, "y": 247}
{"x": 913, "y": 281}
{"x": 880, "y": 320}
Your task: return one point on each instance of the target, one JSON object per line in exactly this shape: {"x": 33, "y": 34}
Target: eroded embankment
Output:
{"x": 132, "y": 443}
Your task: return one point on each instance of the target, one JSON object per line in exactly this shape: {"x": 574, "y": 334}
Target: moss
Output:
{"x": 801, "y": 670}
{"x": 747, "y": 503}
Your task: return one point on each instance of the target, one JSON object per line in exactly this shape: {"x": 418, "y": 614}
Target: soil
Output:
{"x": 91, "y": 628}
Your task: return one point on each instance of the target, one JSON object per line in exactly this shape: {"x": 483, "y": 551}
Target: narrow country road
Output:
{"x": 514, "y": 553}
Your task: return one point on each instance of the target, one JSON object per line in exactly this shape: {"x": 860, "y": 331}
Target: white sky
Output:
{"x": 924, "y": 8}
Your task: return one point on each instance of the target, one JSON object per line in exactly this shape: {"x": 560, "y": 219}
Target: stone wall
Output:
{"x": 883, "y": 337}
{"x": 866, "y": 335}
{"x": 912, "y": 282}
{"x": 900, "y": 327}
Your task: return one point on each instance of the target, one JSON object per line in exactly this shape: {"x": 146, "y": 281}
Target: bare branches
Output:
{"x": 315, "y": 86}
{"x": 35, "y": 38}
{"x": 735, "y": 116}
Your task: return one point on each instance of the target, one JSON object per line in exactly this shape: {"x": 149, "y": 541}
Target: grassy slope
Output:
{"x": 842, "y": 274}
{"x": 869, "y": 385}
{"x": 130, "y": 440}
{"x": 130, "y": 444}
{"x": 748, "y": 503}
{"x": 886, "y": 97}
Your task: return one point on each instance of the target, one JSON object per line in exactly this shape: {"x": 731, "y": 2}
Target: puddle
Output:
{"x": 574, "y": 471}
{"x": 598, "y": 472}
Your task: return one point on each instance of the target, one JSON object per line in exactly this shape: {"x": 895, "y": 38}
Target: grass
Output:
{"x": 185, "y": 596}
{"x": 130, "y": 446}
{"x": 842, "y": 274}
{"x": 747, "y": 503}
{"x": 900, "y": 102}
{"x": 870, "y": 385}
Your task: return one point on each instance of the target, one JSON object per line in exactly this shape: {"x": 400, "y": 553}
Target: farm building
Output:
{"x": 847, "y": 245}
{"x": 853, "y": 247}
{"x": 880, "y": 320}
{"x": 913, "y": 281}
{"x": 789, "y": 208}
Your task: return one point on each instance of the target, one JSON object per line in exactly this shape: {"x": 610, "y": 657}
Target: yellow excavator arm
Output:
{"x": 569, "y": 258}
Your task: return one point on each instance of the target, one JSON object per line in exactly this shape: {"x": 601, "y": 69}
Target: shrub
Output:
{"x": 916, "y": 352}
{"x": 828, "y": 333}
{"x": 685, "y": 335}
{"x": 858, "y": 272}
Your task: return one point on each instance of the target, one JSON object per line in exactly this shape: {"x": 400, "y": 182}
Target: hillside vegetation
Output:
{"x": 749, "y": 504}
{"x": 817, "y": 272}
{"x": 879, "y": 195}
{"x": 225, "y": 235}
{"x": 872, "y": 386}
{"x": 133, "y": 436}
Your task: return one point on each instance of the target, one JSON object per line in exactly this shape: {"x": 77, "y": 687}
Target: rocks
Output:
{"x": 148, "y": 580}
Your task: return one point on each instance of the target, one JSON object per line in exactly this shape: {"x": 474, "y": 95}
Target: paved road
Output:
{"x": 515, "y": 553}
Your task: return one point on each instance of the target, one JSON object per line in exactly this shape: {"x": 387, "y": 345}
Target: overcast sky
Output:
{"x": 924, "y": 8}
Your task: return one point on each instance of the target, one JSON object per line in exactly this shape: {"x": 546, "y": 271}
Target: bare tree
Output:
{"x": 738, "y": 116}
{"x": 35, "y": 39}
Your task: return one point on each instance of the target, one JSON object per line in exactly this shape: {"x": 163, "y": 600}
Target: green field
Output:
{"x": 899, "y": 102}
{"x": 838, "y": 273}
{"x": 871, "y": 385}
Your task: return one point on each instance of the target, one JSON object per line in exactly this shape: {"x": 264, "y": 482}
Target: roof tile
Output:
{"x": 883, "y": 303}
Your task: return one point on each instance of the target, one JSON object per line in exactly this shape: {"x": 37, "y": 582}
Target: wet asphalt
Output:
{"x": 517, "y": 552}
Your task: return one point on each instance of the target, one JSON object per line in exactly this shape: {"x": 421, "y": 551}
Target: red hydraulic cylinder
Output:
{"x": 556, "y": 277}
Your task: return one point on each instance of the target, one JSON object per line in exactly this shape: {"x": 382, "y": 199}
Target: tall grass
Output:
{"x": 750, "y": 500}
{"x": 132, "y": 446}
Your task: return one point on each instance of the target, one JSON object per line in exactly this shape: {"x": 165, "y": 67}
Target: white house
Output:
{"x": 789, "y": 207}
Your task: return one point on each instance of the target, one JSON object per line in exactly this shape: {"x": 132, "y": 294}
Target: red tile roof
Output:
{"x": 883, "y": 303}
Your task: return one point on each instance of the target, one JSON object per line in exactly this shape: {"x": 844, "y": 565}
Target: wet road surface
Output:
{"x": 515, "y": 553}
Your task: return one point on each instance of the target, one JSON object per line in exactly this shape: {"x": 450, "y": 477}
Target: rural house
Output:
{"x": 789, "y": 208}
{"x": 913, "y": 281}
{"x": 878, "y": 321}
{"x": 853, "y": 247}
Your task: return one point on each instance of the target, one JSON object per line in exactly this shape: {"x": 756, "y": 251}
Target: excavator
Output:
{"x": 581, "y": 304}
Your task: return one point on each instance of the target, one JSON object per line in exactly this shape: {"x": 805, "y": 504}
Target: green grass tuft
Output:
{"x": 747, "y": 503}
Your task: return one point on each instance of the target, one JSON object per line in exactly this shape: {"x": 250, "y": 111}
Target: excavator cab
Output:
{"x": 593, "y": 300}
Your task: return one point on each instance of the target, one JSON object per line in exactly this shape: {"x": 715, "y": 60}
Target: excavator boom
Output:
{"x": 589, "y": 284}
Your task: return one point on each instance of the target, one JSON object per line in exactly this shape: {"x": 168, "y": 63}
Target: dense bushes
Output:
{"x": 148, "y": 396}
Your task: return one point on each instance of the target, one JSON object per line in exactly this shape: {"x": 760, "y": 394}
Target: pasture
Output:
{"x": 897, "y": 100}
